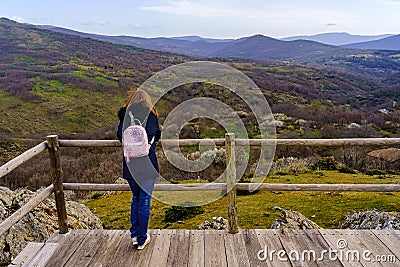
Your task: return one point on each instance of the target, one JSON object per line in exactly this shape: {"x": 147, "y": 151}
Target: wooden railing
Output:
{"x": 53, "y": 144}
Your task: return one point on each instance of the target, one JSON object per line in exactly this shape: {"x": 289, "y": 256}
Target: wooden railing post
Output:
{"x": 57, "y": 176}
{"x": 231, "y": 183}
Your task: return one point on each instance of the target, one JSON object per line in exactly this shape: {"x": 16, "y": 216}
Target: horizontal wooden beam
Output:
{"x": 242, "y": 142}
{"x": 157, "y": 187}
{"x": 89, "y": 143}
{"x": 24, "y": 157}
{"x": 323, "y": 187}
{"x": 25, "y": 209}
{"x": 242, "y": 186}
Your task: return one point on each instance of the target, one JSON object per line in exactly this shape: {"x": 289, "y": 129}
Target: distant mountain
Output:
{"x": 257, "y": 47}
{"x": 195, "y": 38}
{"x": 389, "y": 43}
{"x": 337, "y": 38}
{"x": 265, "y": 48}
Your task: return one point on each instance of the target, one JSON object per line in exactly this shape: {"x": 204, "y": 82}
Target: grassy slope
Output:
{"x": 255, "y": 211}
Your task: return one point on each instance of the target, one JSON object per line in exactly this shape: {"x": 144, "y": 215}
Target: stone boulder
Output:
{"x": 290, "y": 219}
{"x": 218, "y": 223}
{"x": 371, "y": 219}
{"x": 40, "y": 223}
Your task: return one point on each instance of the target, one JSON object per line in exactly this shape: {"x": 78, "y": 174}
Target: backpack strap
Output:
{"x": 133, "y": 119}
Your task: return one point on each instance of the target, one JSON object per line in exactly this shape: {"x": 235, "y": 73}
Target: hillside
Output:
{"x": 73, "y": 86}
{"x": 64, "y": 83}
{"x": 388, "y": 43}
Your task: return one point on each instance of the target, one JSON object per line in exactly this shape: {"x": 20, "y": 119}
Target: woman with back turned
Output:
{"x": 140, "y": 172}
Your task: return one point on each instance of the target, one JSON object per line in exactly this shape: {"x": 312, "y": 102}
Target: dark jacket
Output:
{"x": 145, "y": 167}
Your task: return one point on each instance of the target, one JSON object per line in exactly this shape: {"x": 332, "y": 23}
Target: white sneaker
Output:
{"x": 134, "y": 241}
{"x": 145, "y": 243}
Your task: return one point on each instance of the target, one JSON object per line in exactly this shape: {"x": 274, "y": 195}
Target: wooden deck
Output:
{"x": 216, "y": 248}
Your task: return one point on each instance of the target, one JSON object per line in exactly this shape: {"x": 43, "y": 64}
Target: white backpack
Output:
{"x": 135, "y": 140}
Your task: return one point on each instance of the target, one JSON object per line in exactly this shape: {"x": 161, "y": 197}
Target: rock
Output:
{"x": 371, "y": 219}
{"x": 40, "y": 223}
{"x": 354, "y": 125}
{"x": 6, "y": 196}
{"x": 291, "y": 219}
{"x": 218, "y": 223}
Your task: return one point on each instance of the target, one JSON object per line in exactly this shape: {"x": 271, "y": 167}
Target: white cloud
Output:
{"x": 137, "y": 26}
{"x": 395, "y": 2}
{"x": 18, "y": 19}
{"x": 276, "y": 12}
{"x": 95, "y": 22}
{"x": 330, "y": 24}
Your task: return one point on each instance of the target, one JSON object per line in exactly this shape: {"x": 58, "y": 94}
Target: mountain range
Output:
{"x": 338, "y": 38}
{"x": 257, "y": 47}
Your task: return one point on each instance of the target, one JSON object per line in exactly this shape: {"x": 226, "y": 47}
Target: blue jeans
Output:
{"x": 140, "y": 208}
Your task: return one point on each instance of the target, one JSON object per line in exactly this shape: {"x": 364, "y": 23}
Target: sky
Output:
{"x": 213, "y": 19}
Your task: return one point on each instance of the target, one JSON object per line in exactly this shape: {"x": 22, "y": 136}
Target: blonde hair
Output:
{"x": 139, "y": 96}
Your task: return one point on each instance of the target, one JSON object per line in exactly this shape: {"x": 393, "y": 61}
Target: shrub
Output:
{"x": 328, "y": 163}
{"x": 186, "y": 211}
{"x": 290, "y": 165}
{"x": 375, "y": 172}
{"x": 345, "y": 169}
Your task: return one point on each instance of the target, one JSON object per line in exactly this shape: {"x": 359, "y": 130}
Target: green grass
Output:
{"x": 256, "y": 211}
{"x": 61, "y": 109}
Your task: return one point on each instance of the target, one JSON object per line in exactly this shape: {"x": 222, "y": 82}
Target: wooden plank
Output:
{"x": 245, "y": 142}
{"x": 105, "y": 253}
{"x": 214, "y": 248}
{"x": 87, "y": 249}
{"x": 196, "y": 248}
{"x": 323, "y": 187}
{"x": 124, "y": 251}
{"x": 57, "y": 176}
{"x": 253, "y": 246}
{"x": 25, "y": 209}
{"x": 270, "y": 244}
{"x": 377, "y": 248}
{"x": 347, "y": 242}
{"x": 142, "y": 257}
{"x": 159, "y": 257}
{"x": 179, "y": 248}
{"x": 27, "y": 253}
{"x": 68, "y": 247}
{"x": 43, "y": 256}
{"x": 309, "y": 245}
{"x": 90, "y": 143}
{"x": 24, "y": 157}
{"x": 333, "y": 237}
{"x": 157, "y": 187}
{"x": 235, "y": 247}
{"x": 56, "y": 237}
{"x": 288, "y": 242}
{"x": 390, "y": 239}
{"x": 321, "y": 142}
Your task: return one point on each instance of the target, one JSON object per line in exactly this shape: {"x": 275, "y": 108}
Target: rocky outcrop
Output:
{"x": 39, "y": 224}
{"x": 371, "y": 219}
{"x": 290, "y": 219}
{"x": 218, "y": 223}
